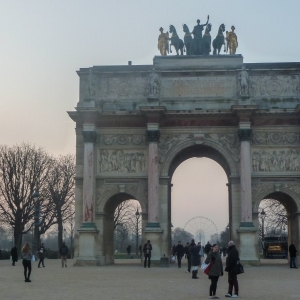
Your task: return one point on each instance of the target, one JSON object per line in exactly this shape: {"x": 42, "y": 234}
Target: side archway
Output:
{"x": 108, "y": 222}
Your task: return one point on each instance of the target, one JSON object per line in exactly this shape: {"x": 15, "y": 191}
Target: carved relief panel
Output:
{"x": 122, "y": 161}
{"x": 104, "y": 87}
{"x": 279, "y": 160}
{"x": 274, "y": 86}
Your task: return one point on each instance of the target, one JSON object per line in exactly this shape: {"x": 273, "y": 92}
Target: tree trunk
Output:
{"x": 60, "y": 231}
{"x": 18, "y": 240}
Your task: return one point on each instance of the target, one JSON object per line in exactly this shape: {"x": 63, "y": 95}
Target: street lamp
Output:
{"x": 36, "y": 216}
{"x": 263, "y": 216}
{"x": 137, "y": 216}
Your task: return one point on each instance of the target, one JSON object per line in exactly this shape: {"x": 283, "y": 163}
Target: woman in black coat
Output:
{"x": 195, "y": 258}
{"x": 14, "y": 254}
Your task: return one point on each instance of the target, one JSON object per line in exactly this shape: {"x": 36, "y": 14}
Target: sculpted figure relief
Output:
{"x": 90, "y": 87}
{"x": 163, "y": 42}
{"x": 153, "y": 85}
{"x": 232, "y": 42}
{"x": 276, "y": 160}
{"x": 243, "y": 83}
{"x": 122, "y": 161}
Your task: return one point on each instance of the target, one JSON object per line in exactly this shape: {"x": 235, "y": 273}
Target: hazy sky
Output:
{"x": 43, "y": 43}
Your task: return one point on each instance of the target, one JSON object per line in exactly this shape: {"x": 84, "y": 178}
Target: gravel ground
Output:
{"x": 127, "y": 280}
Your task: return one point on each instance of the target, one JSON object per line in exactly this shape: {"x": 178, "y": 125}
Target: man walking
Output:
{"x": 293, "y": 254}
{"x": 147, "y": 253}
{"x": 14, "y": 254}
{"x": 231, "y": 268}
{"x": 207, "y": 248}
{"x": 179, "y": 251}
{"x": 41, "y": 251}
{"x": 63, "y": 251}
{"x": 188, "y": 256}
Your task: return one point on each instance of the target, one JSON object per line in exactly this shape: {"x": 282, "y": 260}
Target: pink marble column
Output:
{"x": 88, "y": 176}
{"x": 246, "y": 194}
{"x": 153, "y": 176}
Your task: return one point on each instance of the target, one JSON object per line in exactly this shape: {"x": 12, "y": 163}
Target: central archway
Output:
{"x": 201, "y": 151}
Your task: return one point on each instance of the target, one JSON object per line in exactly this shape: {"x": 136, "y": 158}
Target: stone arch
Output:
{"x": 107, "y": 218}
{"x": 107, "y": 191}
{"x": 219, "y": 154}
{"x": 286, "y": 195}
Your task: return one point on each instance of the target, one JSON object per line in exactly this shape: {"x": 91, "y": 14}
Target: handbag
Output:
{"x": 240, "y": 268}
{"x": 173, "y": 258}
{"x": 203, "y": 266}
{"x": 206, "y": 271}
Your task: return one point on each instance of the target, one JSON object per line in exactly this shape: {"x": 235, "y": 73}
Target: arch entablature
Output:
{"x": 260, "y": 191}
{"x": 106, "y": 191}
{"x": 230, "y": 156}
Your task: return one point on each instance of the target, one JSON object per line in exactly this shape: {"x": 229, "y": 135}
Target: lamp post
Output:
{"x": 36, "y": 216}
{"x": 263, "y": 216}
{"x": 137, "y": 216}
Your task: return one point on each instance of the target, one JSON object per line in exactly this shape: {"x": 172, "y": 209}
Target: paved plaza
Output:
{"x": 127, "y": 280}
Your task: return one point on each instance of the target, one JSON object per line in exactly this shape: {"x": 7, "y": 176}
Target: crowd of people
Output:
{"x": 211, "y": 258}
{"x": 27, "y": 257}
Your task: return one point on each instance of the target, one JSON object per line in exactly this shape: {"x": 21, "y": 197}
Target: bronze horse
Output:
{"x": 219, "y": 41}
{"x": 176, "y": 42}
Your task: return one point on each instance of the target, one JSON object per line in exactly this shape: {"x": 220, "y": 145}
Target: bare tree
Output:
{"x": 23, "y": 168}
{"x": 61, "y": 184}
{"x": 127, "y": 222}
{"x": 276, "y": 218}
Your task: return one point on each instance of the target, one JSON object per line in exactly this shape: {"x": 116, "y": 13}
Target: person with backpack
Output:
{"x": 63, "y": 251}
{"x": 41, "y": 252}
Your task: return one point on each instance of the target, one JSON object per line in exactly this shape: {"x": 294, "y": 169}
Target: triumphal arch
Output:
{"x": 136, "y": 124}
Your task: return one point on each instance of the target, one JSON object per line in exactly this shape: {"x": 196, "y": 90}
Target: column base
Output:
{"x": 248, "y": 249}
{"x": 153, "y": 232}
{"x": 87, "y": 245}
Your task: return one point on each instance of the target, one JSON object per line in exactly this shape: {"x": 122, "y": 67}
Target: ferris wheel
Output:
{"x": 201, "y": 228}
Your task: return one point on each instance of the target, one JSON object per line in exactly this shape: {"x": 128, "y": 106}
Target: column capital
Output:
{"x": 245, "y": 134}
{"x": 152, "y": 136}
{"x": 89, "y": 136}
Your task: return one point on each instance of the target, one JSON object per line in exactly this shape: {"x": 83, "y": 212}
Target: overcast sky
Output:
{"x": 43, "y": 43}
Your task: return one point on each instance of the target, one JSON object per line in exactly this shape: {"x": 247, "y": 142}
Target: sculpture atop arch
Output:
{"x": 135, "y": 124}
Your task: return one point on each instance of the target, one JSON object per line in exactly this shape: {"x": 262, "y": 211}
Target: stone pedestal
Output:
{"x": 247, "y": 247}
{"x": 154, "y": 234}
{"x": 87, "y": 245}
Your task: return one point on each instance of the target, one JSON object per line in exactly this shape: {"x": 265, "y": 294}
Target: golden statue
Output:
{"x": 163, "y": 42}
{"x": 232, "y": 42}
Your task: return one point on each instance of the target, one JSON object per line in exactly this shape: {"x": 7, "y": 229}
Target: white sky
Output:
{"x": 44, "y": 42}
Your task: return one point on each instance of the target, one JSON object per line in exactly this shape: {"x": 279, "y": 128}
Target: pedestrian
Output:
{"x": 188, "y": 256}
{"x": 179, "y": 251}
{"x": 41, "y": 252}
{"x": 128, "y": 249}
{"x": 224, "y": 251}
{"x": 147, "y": 253}
{"x": 293, "y": 254}
{"x": 215, "y": 271}
{"x": 27, "y": 256}
{"x": 231, "y": 267}
{"x": 207, "y": 248}
{"x": 63, "y": 251}
{"x": 14, "y": 254}
{"x": 195, "y": 258}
